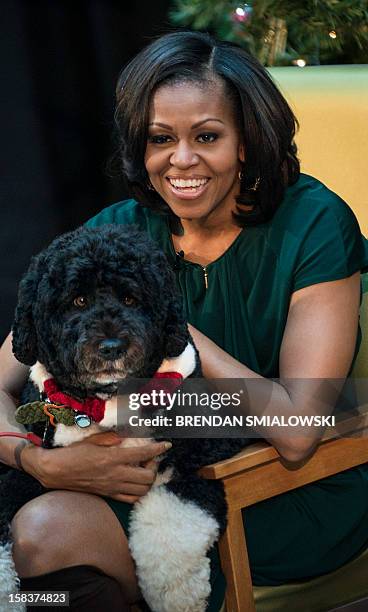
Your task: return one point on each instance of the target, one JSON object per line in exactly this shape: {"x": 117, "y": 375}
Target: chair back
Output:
{"x": 360, "y": 369}
{"x": 331, "y": 103}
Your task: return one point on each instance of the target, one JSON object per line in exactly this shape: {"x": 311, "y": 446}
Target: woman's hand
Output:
{"x": 97, "y": 465}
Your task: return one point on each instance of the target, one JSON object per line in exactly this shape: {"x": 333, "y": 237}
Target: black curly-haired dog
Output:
{"x": 97, "y": 308}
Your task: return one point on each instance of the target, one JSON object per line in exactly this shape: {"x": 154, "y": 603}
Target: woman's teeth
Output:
{"x": 188, "y": 184}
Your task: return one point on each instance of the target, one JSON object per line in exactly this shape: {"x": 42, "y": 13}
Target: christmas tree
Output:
{"x": 282, "y": 32}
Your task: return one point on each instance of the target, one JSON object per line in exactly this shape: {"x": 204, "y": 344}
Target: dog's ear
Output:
{"x": 162, "y": 291}
{"x": 176, "y": 328}
{"x": 24, "y": 333}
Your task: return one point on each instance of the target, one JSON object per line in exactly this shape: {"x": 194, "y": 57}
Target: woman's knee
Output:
{"x": 31, "y": 537}
{"x": 63, "y": 528}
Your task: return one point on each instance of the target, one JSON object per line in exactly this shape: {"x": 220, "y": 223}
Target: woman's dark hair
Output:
{"x": 266, "y": 122}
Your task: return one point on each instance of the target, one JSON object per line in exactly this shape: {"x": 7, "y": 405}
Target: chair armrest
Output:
{"x": 258, "y": 472}
{"x": 257, "y": 453}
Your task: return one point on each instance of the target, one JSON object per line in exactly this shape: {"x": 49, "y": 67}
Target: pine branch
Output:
{"x": 308, "y": 22}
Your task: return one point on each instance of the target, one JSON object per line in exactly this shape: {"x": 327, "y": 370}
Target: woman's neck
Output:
{"x": 205, "y": 242}
{"x": 212, "y": 224}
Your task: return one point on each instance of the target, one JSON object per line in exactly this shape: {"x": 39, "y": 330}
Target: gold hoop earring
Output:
{"x": 256, "y": 184}
{"x": 241, "y": 176}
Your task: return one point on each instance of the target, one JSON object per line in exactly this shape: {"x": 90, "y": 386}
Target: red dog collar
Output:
{"x": 95, "y": 407}
{"x": 92, "y": 406}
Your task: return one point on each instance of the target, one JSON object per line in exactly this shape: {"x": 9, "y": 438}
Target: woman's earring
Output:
{"x": 256, "y": 184}
{"x": 241, "y": 176}
{"x": 150, "y": 186}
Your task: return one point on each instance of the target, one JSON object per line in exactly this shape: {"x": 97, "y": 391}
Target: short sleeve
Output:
{"x": 331, "y": 246}
{"x": 123, "y": 213}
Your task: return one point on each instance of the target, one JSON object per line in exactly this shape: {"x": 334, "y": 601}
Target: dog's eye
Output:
{"x": 128, "y": 300}
{"x": 80, "y": 301}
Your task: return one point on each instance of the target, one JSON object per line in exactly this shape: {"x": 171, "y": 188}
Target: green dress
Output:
{"x": 313, "y": 237}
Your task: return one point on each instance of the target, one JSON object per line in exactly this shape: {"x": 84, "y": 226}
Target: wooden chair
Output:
{"x": 259, "y": 473}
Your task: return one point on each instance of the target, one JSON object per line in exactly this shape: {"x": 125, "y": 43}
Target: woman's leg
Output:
{"x": 62, "y": 529}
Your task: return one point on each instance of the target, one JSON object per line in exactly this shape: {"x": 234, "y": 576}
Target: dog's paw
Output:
{"x": 169, "y": 540}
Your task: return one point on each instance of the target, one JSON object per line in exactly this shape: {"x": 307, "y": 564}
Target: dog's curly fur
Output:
{"x": 129, "y": 292}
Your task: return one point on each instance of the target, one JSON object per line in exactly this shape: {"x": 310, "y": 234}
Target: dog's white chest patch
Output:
{"x": 65, "y": 435}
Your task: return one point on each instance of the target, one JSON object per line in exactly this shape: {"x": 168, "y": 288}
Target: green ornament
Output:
{"x": 31, "y": 413}
{"x": 34, "y": 413}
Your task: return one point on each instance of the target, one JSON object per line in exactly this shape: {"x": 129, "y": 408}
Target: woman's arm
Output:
{"x": 13, "y": 376}
{"x": 318, "y": 344}
{"x": 97, "y": 465}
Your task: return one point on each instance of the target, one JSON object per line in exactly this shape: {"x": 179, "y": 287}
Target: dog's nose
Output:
{"x": 112, "y": 348}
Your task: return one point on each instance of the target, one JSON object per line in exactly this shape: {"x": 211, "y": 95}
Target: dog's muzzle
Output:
{"x": 111, "y": 349}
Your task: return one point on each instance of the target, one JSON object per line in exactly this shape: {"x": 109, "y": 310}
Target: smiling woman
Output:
{"x": 195, "y": 161}
{"x": 223, "y": 100}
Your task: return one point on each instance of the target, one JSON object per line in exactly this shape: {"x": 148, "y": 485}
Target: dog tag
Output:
{"x": 82, "y": 420}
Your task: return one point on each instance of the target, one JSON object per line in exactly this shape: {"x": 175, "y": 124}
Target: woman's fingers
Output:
{"x": 128, "y": 499}
{"x": 96, "y": 468}
{"x": 133, "y": 488}
{"x": 151, "y": 465}
{"x": 140, "y": 475}
{"x": 140, "y": 454}
{"x": 106, "y": 438}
